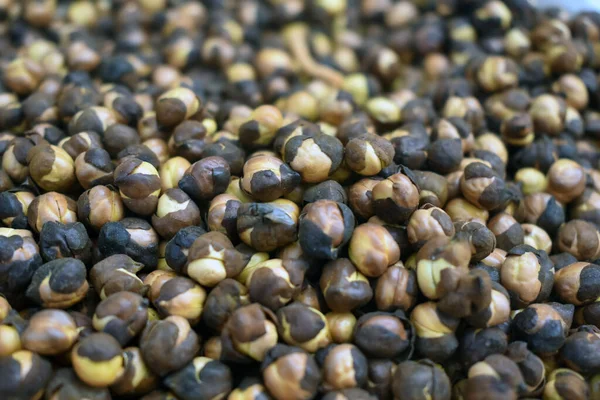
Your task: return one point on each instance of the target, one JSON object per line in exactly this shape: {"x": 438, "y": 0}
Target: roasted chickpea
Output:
{"x": 222, "y": 301}
{"x": 51, "y": 206}
{"x": 481, "y": 240}
{"x": 372, "y": 249}
{"x": 249, "y": 333}
{"x": 118, "y": 137}
{"x": 315, "y": 158}
{"x": 168, "y": 345}
{"x": 507, "y": 230}
{"x": 526, "y": 274}
{"x": 267, "y": 178}
{"x": 428, "y": 222}
{"x": 273, "y": 283}
{"x": 13, "y": 207}
{"x": 268, "y": 226}
{"x": 384, "y": 335}
{"x": 122, "y": 315}
{"x": 139, "y": 185}
{"x": 435, "y": 332}
{"x": 222, "y": 215}
{"x": 66, "y": 384}
{"x": 564, "y": 383}
{"x": 50, "y": 332}
{"x": 202, "y": 378}
{"x": 177, "y": 248}
{"x": 395, "y": 198}
{"x": 175, "y": 211}
{"x": 98, "y": 360}
{"x": 412, "y": 379}
{"x": 368, "y": 154}
{"x": 543, "y": 326}
{"x": 498, "y": 375}
{"x": 95, "y": 119}
{"x": 566, "y": 180}
{"x": 543, "y": 210}
{"x": 482, "y": 186}
{"x": 477, "y": 344}
{"x": 132, "y": 236}
{"x": 304, "y": 327}
{"x": 98, "y": 206}
{"x": 360, "y": 197}
{"x": 175, "y": 106}
{"x": 80, "y": 143}
{"x": 51, "y": 167}
{"x": 117, "y": 273}
{"x": 65, "y": 240}
{"x": 548, "y": 113}
{"x": 302, "y": 375}
{"x": 59, "y": 283}
{"x": 25, "y": 375}
{"x": 536, "y": 237}
{"x": 94, "y": 167}
{"x": 205, "y": 179}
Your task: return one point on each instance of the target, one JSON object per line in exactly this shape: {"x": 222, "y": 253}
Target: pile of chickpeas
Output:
{"x": 298, "y": 199}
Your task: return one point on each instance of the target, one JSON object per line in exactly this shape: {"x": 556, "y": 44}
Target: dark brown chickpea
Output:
{"x": 175, "y": 106}
{"x": 433, "y": 188}
{"x": 132, "y": 236}
{"x": 139, "y": 185}
{"x": 472, "y": 349}
{"x": 94, "y": 167}
{"x": 189, "y": 139}
{"x": 100, "y": 205}
{"x": 202, "y": 378}
{"x": 498, "y": 375}
{"x": 335, "y": 377}
{"x": 98, "y": 360}
{"x": 81, "y": 142}
{"x": 482, "y": 186}
{"x": 175, "y": 211}
{"x": 414, "y": 378}
{"x": 543, "y": 210}
{"x": 304, "y": 327}
{"x": 301, "y": 371}
{"x": 51, "y": 168}
{"x": 122, "y": 315}
{"x": 249, "y": 333}
{"x": 526, "y": 274}
{"x": 26, "y": 374}
{"x": 137, "y": 378}
{"x": 481, "y": 240}
{"x": 384, "y": 335}
{"x": 116, "y": 274}
{"x": 50, "y": 332}
{"x": 395, "y": 198}
{"x": 95, "y": 119}
{"x": 435, "y": 332}
{"x": 427, "y": 222}
{"x": 222, "y": 215}
{"x": 360, "y": 197}
{"x": 368, "y": 155}
{"x": 266, "y": 178}
{"x": 65, "y": 383}
{"x": 325, "y": 227}
{"x": 543, "y": 326}
{"x": 222, "y": 301}
{"x": 273, "y": 283}
{"x": 168, "y": 345}
{"x": 580, "y": 239}
{"x": 445, "y": 155}
{"x": 575, "y": 283}
{"x": 439, "y": 260}
{"x": 13, "y": 208}
{"x": 205, "y": 179}
{"x": 564, "y": 383}
{"x": 117, "y": 137}
{"x": 268, "y": 226}
{"x": 507, "y": 230}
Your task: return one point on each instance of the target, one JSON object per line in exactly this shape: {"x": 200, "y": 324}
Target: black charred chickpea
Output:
{"x": 139, "y": 185}
{"x": 328, "y": 190}
{"x": 175, "y": 211}
{"x": 445, "y": 155}
{"x": 168, "y": 345}
{"x": 420, "y": 380}
{"x": 304, "y": 327}
{"x": 544, "y": 326}
{"x": 531, "y": 366}
{"x": 482, "y": 186}
{"x": 95, "y": 119}
{"x": 177, "y": 248}
{"x": 273, "y": 283}
{"x": 496, "y": 313}
{"x": 25, "y": 375}
{"x": 202, "y": 379}
{"x": 543, "y": 210}
{"x": 59, "y": 283}
{"x": 132, "y": 236}
{"x": 477, "y": 344}
{"x": 117, "y": 273}
{"x": 59, "y": 240}
{"x": 266, "y": 178}
{"x": 222, "y": 215}
{"x": 315, "y": 158}
{"x": 206, "y": 178}
{"x": 481, "y": 239}
{"x": 19, "y": 259}
{"x": 563, "y": 383}
{"x": 507, "y": 230}
{"x": 50, "y": 332}
{"x": 122, "y": 315}
{"x": 189, "y": 139}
